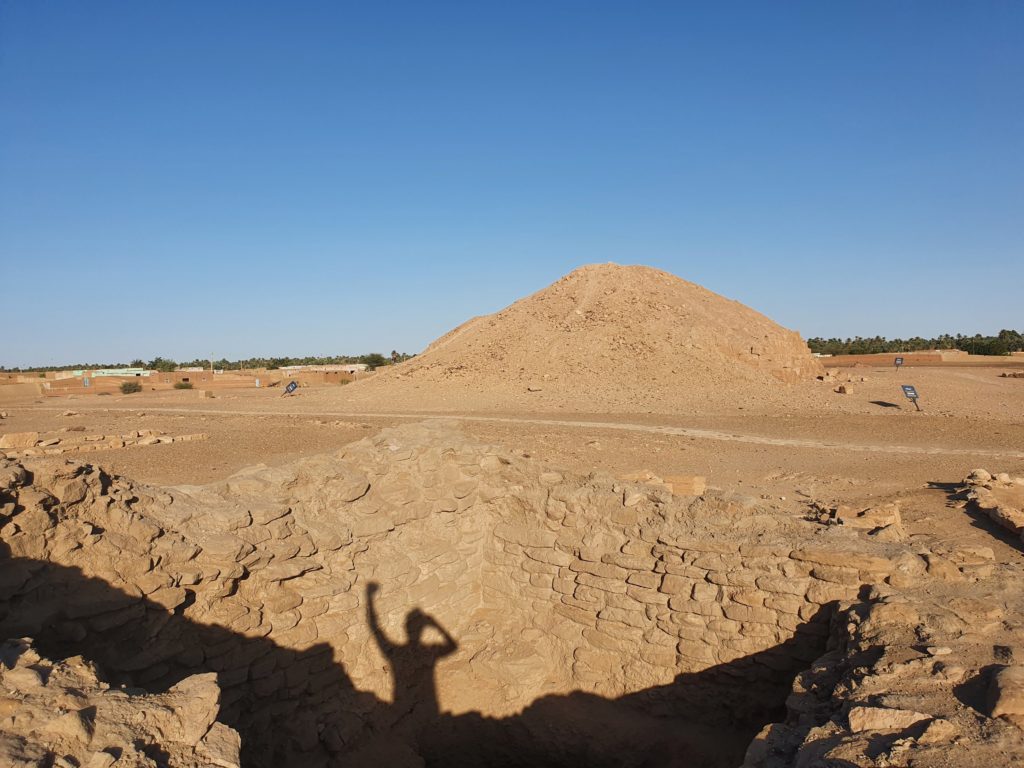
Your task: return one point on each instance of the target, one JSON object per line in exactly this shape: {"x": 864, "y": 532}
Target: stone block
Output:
{"x": 1006, "y": 694}
{"x": 822, "y": 592}
{"x": 647, "y": 595}
{"x": 575, "y": 614}
{"x": 704, "y": 592}
{"x": 550, "y": 556}
{"x": 603, "y": 584}
{"x": 606, "y": 642}
{"x": 525, "y": 535}
{"x": 604, "y": 570}
{"x": 630, "y": 562}
{"x": 843, "y": 559}
{"x": 864, "y": 719}
{"x": 676, "y": 585}
{"x": 783, "y": 585}
{"x": 746, "y": 613}
{"x": 658, "y": 656}
{"x": 18, "y": 440}
{"x": 629, "y": 618}
{"x": 835, "y": 574}
{"x": 686, "y": 485}
{"x": 645, "y": 580}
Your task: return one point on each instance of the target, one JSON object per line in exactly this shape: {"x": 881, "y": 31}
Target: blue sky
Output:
{"x": 247, "y": 178}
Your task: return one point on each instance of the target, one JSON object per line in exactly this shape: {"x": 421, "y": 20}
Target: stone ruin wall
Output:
{"x": 638, "y": 606}
{"x": 549, "y": 583}
{"x": 69, "y": 717}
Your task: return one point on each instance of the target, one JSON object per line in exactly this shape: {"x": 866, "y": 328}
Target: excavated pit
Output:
{"x": 422, "y": 599}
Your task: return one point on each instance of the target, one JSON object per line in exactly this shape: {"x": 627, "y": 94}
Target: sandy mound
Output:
{"x": 605, "y": 337}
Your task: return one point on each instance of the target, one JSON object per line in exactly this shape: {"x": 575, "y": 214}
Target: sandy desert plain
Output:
{"x": 623, "y": 522}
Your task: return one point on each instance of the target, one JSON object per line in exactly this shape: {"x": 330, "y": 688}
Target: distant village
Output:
{"x": 97, "y": 380}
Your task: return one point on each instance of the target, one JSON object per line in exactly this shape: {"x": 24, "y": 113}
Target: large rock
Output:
{"x": 62, "y": 713}
{"x": 1006, "y": 695}
{"x": 19, "y": 440}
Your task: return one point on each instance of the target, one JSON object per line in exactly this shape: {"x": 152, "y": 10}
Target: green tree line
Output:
{"x": 1005, "y": 342}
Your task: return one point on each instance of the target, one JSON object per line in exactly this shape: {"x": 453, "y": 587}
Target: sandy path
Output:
{"x": 691, "y": 432}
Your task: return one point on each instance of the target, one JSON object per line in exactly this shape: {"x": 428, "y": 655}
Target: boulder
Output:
{"x": 1006, "y": 695}
{"x": 16, "y": 440}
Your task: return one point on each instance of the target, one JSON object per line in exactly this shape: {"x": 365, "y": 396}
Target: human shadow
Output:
{"x": 300, "y": 707}
{"x": 413, "y": 665}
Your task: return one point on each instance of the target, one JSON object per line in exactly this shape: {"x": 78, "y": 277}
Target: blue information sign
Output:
{"x": 292, "y": 386}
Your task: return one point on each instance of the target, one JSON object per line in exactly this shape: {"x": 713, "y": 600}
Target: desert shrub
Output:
{"x": 183, "y": 385}
{"x": 130, "y": 387}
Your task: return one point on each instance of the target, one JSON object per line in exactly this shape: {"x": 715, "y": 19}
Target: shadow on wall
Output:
{"x": 300, "y": 708}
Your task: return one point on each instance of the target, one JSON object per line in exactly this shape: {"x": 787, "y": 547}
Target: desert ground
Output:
{"x": 852, "y": 448}
{"x": 838, "y": 589}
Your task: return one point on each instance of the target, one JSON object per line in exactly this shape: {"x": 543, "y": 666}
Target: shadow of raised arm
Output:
{"x": 386, "y": 646}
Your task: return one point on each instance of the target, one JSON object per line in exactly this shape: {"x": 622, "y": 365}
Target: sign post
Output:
{"x": 899, "y": 362}
{"x": 911, "y": 393}
{"x": 292, "y": 386}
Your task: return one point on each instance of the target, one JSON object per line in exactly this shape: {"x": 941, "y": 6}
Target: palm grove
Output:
{"x": 1002, "y": 344}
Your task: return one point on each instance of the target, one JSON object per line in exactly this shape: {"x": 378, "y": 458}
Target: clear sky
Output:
{"x": 292, "y": 178}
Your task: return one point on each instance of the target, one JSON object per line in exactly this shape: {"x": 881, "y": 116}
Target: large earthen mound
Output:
{"x": 419, "y": 598}
{"x": 605, "y": 337}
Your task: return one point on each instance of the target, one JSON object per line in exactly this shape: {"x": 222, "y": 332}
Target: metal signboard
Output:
{"x": 899, "y": 361}
{"x": 911, "y": 393}
{"x": 292, "y": 386}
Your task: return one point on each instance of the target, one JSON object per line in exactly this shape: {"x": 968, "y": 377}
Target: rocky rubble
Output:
{"x": 420, "y": 596}
{"x": 998, "y": 496}
{"x": 25, "y": 445}
{"x": 928, "y": 678}
{"x": 61, "y": 714}
{"x": 883, "y": 522}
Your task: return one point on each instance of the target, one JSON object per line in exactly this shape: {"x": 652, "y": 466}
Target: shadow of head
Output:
{"x": 415, "y": 623}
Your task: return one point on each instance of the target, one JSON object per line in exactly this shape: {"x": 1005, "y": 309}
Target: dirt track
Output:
{"x": 694, "y": 432}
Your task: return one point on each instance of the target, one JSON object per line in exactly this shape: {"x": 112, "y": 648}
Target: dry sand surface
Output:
{"x": 865, "y": 442}
{"x": 839, "y": 594}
